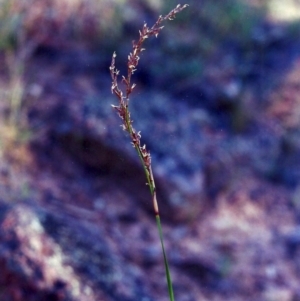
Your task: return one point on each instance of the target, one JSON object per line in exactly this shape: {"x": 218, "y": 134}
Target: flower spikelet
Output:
{"x": 132, "y": 63}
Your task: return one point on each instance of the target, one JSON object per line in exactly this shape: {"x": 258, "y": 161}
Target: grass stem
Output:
{"x": 124, "y": 113}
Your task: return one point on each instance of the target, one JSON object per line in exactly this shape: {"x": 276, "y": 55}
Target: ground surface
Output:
{"x": 220, "y": 114}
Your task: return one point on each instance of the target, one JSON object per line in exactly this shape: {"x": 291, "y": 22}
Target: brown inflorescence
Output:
{"x": 133, "y": 59}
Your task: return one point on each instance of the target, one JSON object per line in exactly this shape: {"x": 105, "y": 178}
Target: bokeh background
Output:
{"x": 217, "y": 102}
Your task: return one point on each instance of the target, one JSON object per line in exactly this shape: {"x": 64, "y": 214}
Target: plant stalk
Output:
{"x": 124, "y": 113}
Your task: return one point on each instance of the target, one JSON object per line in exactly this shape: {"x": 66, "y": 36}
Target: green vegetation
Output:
{"x": 124, "y": 113}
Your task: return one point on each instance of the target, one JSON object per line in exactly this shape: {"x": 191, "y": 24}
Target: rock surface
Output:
{"x": 76, "y": 220}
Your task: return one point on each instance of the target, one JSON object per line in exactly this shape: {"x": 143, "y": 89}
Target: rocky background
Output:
{"x": 217, "y": 102}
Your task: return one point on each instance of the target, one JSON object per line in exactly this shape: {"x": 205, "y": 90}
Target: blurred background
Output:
{"x": 217, "y": 102}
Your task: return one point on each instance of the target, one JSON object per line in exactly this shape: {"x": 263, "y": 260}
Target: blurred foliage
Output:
{"x": 10, "y": 25}
{"x": 15, "y": 50}
{"x": 55, "y": 23}
{"x": 205, "y": 28}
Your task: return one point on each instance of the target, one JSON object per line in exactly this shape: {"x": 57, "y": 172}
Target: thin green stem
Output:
{"x": 151, "y": 184}
{"x": 124, "y": 114}
{"x": 130, "y": 131}
{"x": 168, "y": 274}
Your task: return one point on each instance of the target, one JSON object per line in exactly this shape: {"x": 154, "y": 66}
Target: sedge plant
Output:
{"x": 124, "y": 113}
